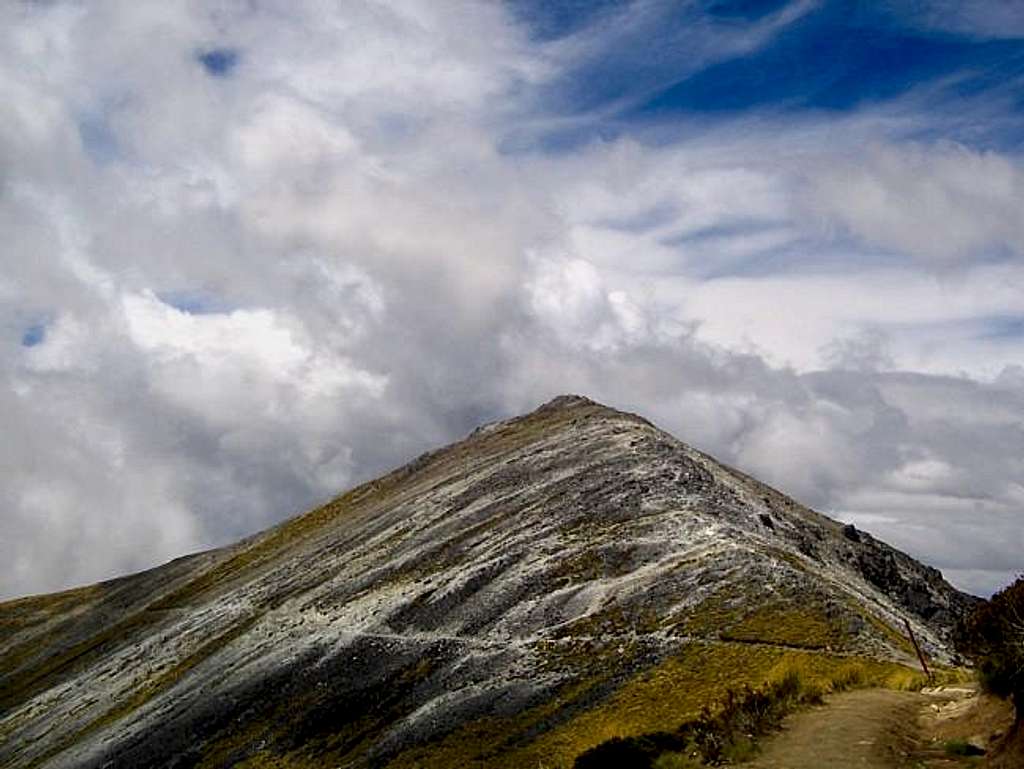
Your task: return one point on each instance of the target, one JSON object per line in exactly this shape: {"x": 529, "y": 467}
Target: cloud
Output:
{"x": 231, "y": 294}
{"x": 944, "y": 202}
{"x": 569, "y": 296}
{"x": 974, "y": 18}
{"x": 241, "y": 366}
{"x": 627, "y": 56}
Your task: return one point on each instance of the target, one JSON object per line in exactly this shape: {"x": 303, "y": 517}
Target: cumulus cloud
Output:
{"x": 253, "y": 282}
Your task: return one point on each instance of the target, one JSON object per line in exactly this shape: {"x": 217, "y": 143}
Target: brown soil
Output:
{"x": 856, "y": 729}
{"x": 884, "y": 729}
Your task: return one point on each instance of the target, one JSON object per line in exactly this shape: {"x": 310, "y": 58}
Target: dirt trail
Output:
{"x": 884, "y": 729}
{"x": 866, "y": 729}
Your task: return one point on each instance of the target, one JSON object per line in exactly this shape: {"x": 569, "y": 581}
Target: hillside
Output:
{"x": 522, "y": 595}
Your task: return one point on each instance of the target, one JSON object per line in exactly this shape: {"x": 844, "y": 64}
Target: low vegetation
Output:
{"x": 728, "y": 733}
{"x": 596, "y": 708}
{"x": 994, "y": 638}
{"x": 725, "y": 734}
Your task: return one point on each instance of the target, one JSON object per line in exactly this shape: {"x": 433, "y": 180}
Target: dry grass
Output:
{"x": 659, "y": 699}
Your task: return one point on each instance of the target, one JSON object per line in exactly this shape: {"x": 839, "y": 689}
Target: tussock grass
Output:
{"x": 725, "y": 733}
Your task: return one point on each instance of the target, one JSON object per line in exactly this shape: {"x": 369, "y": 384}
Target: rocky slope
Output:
{"x": 513, "y": 598}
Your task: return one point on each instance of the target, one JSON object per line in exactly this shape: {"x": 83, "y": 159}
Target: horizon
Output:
{"x": 257, "y": 255}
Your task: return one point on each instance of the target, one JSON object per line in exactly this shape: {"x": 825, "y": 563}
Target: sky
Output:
{"x": 256, "y": 252}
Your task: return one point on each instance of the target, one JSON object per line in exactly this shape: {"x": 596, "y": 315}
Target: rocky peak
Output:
{"x": 531, "y": 575}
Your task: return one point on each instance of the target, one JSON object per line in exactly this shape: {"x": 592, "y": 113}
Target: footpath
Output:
{"x": 885, "y": 729}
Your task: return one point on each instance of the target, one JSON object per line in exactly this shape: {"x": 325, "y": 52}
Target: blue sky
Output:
{"x": 255, "y": 254}
{"x": 218, "y": 62}
{"x": 815, "y": 59}
{"x": 832, "y": 60}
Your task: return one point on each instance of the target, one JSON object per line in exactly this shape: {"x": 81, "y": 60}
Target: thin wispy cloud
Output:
{"x": 254, "y": 255}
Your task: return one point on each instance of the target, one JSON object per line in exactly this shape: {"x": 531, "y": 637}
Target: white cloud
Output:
{"x": 569, "y": 298}
{"x": 944, "y": 202}
{"x": 241, "y": 366}
{"x": 284, "y": 136}
{"x": 376, "y": 273}
{"x": 930, "y": 322}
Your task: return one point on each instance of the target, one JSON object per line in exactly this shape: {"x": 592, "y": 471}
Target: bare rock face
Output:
{"x": 499, "y": 596}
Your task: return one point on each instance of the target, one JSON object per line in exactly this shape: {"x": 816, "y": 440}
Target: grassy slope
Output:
{"x": 654, "y": 700}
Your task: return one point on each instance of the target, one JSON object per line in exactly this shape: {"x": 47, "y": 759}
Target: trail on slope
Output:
{"x": 866, "y": 729}
{"x": 885, "y": 729}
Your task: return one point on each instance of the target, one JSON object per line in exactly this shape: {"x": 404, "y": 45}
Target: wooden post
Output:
{"x": 920, "y": 654}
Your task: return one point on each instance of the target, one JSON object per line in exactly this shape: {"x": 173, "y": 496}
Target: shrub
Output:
{"x": 994, "y": 638}
{"x": 633, "y": 752}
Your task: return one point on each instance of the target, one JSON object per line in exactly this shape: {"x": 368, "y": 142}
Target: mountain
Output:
{"x": 509, "y": 600}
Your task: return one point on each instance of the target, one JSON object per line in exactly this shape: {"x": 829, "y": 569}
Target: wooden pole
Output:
{"x": 920, "y": 654}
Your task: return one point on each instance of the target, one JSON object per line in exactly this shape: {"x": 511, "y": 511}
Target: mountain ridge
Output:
{"x": 478, "y": 582}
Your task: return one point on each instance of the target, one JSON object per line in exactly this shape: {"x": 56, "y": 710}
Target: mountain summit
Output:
{"x": 549, "y": 582}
